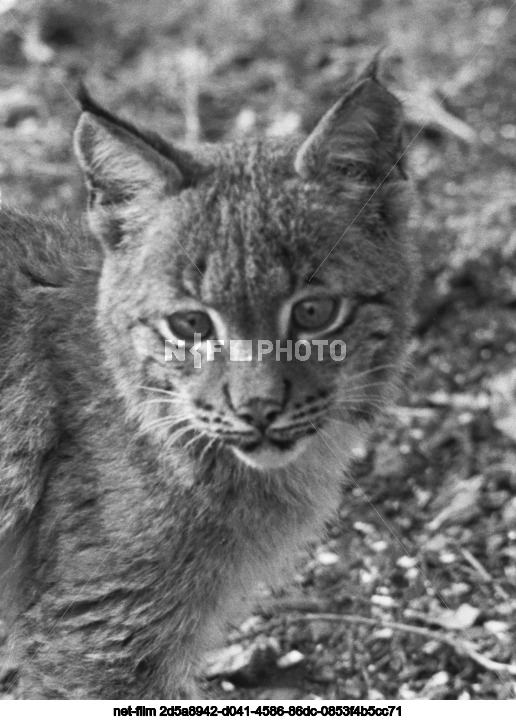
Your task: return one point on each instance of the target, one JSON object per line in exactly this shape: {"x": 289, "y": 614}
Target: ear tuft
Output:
{"x": 372, "y": 69}
{"x": 360, "y": 135}
{"x": 185, "y": 163}
{"x": 127, "y": 170}
{"x": 124, "y": 177}
{"x": 84, "y": 98}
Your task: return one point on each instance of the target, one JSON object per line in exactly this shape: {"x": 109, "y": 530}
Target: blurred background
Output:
{"x": 426, "y": 535}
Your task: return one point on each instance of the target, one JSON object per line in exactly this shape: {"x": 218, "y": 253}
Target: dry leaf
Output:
{"x": 461, "y": 618}
{"x": 462, "y": 503}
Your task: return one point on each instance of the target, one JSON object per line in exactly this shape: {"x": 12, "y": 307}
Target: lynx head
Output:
{"x": 295, "y": 240}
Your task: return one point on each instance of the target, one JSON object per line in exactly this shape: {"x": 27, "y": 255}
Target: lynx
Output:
{"x": 142, "y": 499}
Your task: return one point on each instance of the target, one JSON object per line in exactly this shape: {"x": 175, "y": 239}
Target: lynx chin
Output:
{"x": 141, "y": 499}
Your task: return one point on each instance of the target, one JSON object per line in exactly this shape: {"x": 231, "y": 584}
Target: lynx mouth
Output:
{"x": 279, "y": 445}
{"x": 267, "y": 454}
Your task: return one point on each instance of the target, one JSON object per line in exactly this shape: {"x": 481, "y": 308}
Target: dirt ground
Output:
{"x": 412, "y": 594}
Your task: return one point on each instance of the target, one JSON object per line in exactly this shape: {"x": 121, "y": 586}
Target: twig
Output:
{"x": 485, "y": 575}
{"x": 461, "y": 647}
{"x": 470, "y": 558}
{"x": 303, "y": 604}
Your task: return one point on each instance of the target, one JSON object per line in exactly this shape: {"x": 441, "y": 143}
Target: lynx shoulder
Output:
{"x": 142, "y": 496}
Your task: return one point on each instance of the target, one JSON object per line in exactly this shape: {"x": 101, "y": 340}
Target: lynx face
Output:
{"x": 264, "y": 242}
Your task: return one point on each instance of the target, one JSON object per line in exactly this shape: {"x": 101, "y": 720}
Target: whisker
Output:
{"x": 360, "y": 395}
{"x": 198, "y": 435}
{"x": 208, "y": 446}
{"x": 357, "y": 406}
{"x": 166, "y": 422}
{"x": 351, "y": 420}
{"x": 155, "y": 389}
{"x": 374, "y": 369}
{"x": 360, "y": 407}
{"x": 358, "y": 399}
{"x": 376, "y": 384}
{"x": 169, "y": 418}
{"x": 178, "y": 435}
{"x": 172, "y": 417}
{"x": 165, "y": 399}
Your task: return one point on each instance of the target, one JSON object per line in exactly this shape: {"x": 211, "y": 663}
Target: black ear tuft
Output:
{"x": 89, "y": 105}
{"x": 125, "y": 171}
{"x": 185, "y": 163}
{"x": 373, "y": 68}
{"x": 84, "y": 98}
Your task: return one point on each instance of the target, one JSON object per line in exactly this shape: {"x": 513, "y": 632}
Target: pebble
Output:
{"x": 383, "y": 601}
{"x": 431, "y": 647}
{"x": 406, "y": 562}
{"x": 383, "y": 634}
{"x": 292, "y": 658}
{"x": 436, "y": 543}
{"x": 366, "y": 576}
{"x": 365, "y": 528}
{"x": 227, "y": 686}
{"x": 441, "y": 678}
{"x": 379, "y": 546}
{"x": 496, "y": 627}
{"x": 458, "y": 589}
{"x": 447, "y": 557}
{"x": 436, "y": 685}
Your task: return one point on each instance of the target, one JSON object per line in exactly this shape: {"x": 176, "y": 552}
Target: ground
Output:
{"x": 413, "y": 592}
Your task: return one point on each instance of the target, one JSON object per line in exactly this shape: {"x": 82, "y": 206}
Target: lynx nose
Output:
{"x": 259, "y": 412}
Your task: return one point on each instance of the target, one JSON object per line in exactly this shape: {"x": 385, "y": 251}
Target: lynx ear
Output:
{"x": 360, "y": 135}
{"x": 126, "y": 171}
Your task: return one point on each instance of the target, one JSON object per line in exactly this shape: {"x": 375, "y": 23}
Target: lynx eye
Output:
{"x": 184, "y": 324}
{"x": 313, "y": 313}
